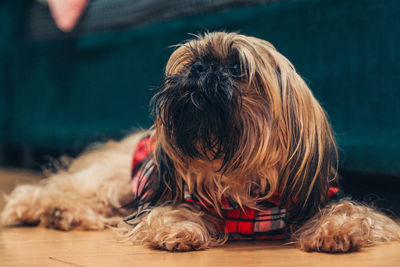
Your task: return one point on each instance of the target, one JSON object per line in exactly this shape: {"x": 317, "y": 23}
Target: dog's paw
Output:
{"x": 33, "y": 205}
{"x": 183, "y": 236}
{"x": 69, "y": 218}
{"x": 336, "y": 242}
{"x": 21, "y": 206}
{"x": 180, "y": 238}
{"x": 172, "y": 229}
{"x": 59, "y": 218}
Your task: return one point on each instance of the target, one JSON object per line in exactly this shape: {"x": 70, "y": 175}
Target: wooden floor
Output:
{"x": 25, "y": 246}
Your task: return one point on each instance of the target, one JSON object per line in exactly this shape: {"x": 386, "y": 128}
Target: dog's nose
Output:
{"x": 199, "y": 69}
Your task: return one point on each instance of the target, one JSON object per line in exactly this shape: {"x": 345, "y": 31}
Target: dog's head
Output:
{"x": 234, "y": 118}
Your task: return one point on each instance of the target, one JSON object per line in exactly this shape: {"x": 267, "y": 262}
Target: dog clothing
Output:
{"x": 269, "y": 223}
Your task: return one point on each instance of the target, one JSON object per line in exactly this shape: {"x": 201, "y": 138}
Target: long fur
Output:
{"x": 180, "y": 227}
{"x": 345, "y": 226}
{"x": 86, "y": 195}
{"x": 233, "y": 118}
{"x": 274, "y": 136}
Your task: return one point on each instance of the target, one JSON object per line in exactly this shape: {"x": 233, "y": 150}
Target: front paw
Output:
{"x": 184, "y": 236}
{"x": 180, "y": 238}
{"x": 173, "y": 229}
{"x": 333, "y": 242}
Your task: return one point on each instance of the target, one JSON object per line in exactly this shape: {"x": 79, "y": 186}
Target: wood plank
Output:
{"x": 42, "y": 247}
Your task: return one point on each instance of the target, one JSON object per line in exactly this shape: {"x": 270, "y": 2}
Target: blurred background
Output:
{"x": 74, "y": 72}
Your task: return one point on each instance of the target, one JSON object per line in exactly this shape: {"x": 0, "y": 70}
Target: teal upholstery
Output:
{"x": 6, "y": 18}
{"x": 70, "y": 92}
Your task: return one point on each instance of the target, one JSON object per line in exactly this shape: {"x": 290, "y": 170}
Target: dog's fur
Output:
{"x": 232, "y": 117}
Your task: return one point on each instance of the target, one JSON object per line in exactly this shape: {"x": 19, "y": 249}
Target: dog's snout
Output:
{"x": 199, "y": 68}
{"x": 225, "y": 68}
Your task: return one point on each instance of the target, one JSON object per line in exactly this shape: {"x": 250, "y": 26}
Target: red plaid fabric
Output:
{"x": 141, "y": 180}
{"x": 268, "y": 223}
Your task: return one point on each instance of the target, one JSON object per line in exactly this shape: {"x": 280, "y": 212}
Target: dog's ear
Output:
{"x": 309, "y": 153}
{"x": 299, "y": 158}
{"x": 182, "y": 56}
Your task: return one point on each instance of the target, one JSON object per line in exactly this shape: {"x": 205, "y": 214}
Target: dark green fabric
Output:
{"x": 67, "y": 93}
{"x": 6, "y": 36}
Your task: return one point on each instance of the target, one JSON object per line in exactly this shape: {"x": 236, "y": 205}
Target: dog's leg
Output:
{"x": 346, "y": 226}
{"x": 87, "y": 195}
{"x": 175, "y": 228}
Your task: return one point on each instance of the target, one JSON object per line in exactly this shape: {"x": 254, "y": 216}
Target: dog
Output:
{"x": 240, "y": 149}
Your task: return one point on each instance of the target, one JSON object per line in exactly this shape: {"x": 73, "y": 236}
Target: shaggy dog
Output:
{"x": 240, "y": 149}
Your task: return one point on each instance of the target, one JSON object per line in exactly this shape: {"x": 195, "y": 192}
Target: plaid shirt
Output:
{"x": 267, "y": 223}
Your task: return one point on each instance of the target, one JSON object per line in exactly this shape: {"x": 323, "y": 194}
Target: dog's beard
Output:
{"x": 234, "y": 118}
